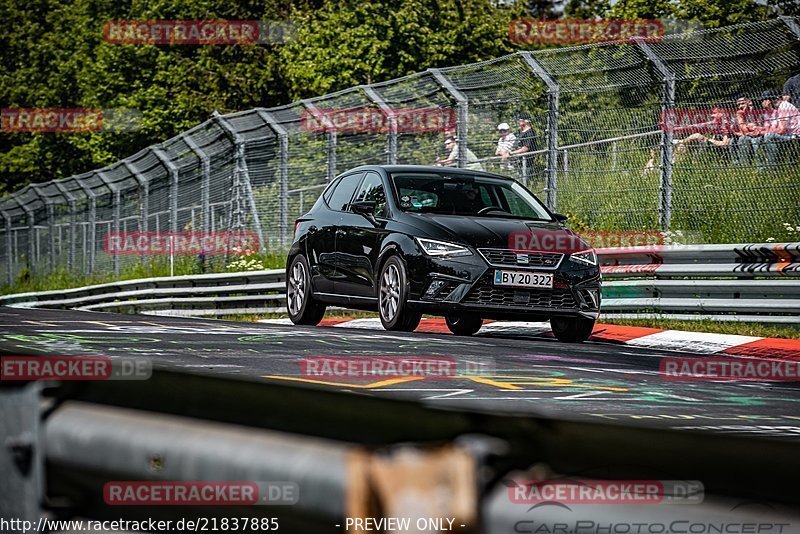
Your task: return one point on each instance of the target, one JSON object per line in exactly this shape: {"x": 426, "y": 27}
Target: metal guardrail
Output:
{"x": 187, "y": 426}
{"x": 695, "y": 281}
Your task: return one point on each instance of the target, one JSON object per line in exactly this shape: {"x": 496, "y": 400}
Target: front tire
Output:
{"x": 392, "y": 297}
{"x": 463, "y": 325}
{"x": 303, "y": 309}
{"x": 572, "y": 329}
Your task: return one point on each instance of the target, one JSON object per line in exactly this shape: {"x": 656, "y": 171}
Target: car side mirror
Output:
{"x": 560, "y": 217}
{"x": 365, "y": 208}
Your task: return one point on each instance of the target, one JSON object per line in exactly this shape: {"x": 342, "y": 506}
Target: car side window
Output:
{"x": 372, "y": 190}
{"x": 340, "y": 197}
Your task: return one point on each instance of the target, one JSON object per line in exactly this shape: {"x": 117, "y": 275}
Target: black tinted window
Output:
{"x": 372, "y": 190}
{"x": 343, "y": 192}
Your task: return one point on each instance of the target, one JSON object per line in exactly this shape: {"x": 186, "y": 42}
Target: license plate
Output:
{"x": 523, "y": 279}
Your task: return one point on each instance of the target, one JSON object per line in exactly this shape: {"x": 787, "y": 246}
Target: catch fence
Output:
{"x": 601, "y": 150}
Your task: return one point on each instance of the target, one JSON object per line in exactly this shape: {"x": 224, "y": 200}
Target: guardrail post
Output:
{"x": 73, "y": 222}
{"x": 205, "y": 182}
{"x": 330, "y": 155}
{"x": 21, "y": 453}
{"x": 553, "y": 92}
{"x": 283, "y": 147}
{"x": 462, "y": 105}
{"x": 667, "y": 106}
{"x": 391, "y": 117}
{"x": 173, "y": 189}
{"x": 117, "y": 202}
{"x": 9, "y": 245}
{"x": 241, "y": 173}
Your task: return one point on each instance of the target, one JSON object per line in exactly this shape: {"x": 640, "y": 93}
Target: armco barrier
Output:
{"x": 343, "y": 451}
{"x": 694, "y": 281}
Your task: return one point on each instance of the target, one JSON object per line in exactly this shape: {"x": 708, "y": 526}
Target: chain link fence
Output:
{"x": 600, "y": 150}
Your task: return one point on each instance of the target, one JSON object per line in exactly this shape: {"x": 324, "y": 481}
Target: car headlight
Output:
{"x": 587, "y": 257}
{"x": 441, "y": 248}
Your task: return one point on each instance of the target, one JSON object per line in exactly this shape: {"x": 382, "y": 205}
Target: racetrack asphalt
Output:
{"x": 600, "y": 382}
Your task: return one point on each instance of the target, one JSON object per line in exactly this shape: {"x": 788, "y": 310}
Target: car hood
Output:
{"x": 495, "y": 232}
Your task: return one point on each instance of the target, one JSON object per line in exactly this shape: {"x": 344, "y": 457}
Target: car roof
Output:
{"x": 428, "y": 168}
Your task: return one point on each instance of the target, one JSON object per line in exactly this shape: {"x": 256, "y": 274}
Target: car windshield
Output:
{"x": 454, "y": 194}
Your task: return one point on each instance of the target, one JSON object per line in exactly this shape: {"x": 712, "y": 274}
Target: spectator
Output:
{"x": 507, "y": 141}
{"x": 791, "y": 90}
{"x": 526, "y": 142}
{"x": 720, "y": 128}
{"x": 781, "y": 125}
{"x": 747, "y": 133}
{"x": 451, "y": 146}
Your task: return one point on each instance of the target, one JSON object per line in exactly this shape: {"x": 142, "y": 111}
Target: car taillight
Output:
{"x": 296, "y": 224}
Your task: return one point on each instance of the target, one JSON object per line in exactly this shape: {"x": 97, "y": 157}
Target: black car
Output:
{"x": 405, "y": 240}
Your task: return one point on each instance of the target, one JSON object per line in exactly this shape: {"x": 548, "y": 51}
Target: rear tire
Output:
{"x": 303, "y": 309}
{"x": 463, "y": 325}
{"x": 572, "y": 329}
{"x": 392, "y": 297}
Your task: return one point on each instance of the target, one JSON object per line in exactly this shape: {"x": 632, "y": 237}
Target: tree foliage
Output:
{"x": 53, "y": 55}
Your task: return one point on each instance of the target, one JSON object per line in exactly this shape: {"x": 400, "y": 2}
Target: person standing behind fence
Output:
{"x": 748, "y": 131}
{"x": 526, "y": 143}
{"x": 451, "y": 145}
{"x": 783, "y": 125}
{"x": 791, "y": 90}
{"x": 507, "y": 142}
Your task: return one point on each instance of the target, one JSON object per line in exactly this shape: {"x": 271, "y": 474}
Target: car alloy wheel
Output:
{"x": 299, "y": 301}
{"x": 392, "y": 294}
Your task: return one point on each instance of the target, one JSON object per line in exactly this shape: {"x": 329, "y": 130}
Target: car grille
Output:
{"x": 502, "y": 257}
{"x": 491, "y": 295}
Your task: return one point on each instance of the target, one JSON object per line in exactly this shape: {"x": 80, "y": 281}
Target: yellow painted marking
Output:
{"x": 101, "y": 323}
{"x": 40, "y": 323}
{"x": 382, "y": 383}
{"x": 515, "y": 383}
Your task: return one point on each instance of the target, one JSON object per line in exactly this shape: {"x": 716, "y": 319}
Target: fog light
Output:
{"x": 591, "y": 297}
{"x": 435, "y": 287}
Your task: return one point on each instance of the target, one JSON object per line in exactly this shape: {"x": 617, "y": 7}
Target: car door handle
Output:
{"x": 312, "y": 229}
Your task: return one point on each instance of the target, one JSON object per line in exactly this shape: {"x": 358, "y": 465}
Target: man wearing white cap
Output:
{"x": 507, "y": 141}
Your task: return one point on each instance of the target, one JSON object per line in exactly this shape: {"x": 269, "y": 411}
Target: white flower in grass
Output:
{"x": 770, "y": 240}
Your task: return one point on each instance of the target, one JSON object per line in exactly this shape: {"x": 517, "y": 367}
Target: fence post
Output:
{"x": 117, "y": 201}
{"x": 553, "y": 92}
{"x": 667, "y": 105}
{"x": 51, "y": 227}
{"x": 144, "y": 205}
{"x": 31, "y": 217}
{"x": 9, "y": 245}
{"x": 92, "y": 198}
{"x": 462, "y": 104}
{"x": 283, "y": 147}
{"x": 330, "y": 155}
{"x": 73, "y": 216}
{"x": 205, "y": 182}
{"x": 391, "y": 117}
{"x": 242, "y": 173}
{"x": 173, "y": 188}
